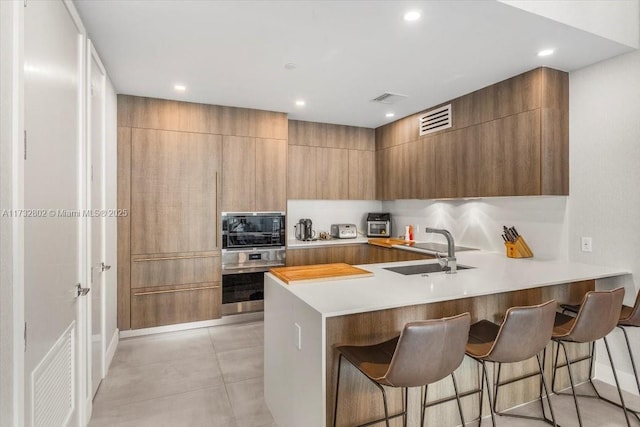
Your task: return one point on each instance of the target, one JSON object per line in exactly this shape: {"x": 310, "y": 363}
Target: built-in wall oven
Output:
{"x": 252, "y": 243}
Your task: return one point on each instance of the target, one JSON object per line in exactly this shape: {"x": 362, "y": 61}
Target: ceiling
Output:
{"x": 346, "y": 52}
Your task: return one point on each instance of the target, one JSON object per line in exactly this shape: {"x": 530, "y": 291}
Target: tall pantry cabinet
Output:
{"x": 170, "y": 178}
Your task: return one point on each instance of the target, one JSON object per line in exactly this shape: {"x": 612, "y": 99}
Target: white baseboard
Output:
{"x": 111, "y": 350}
{"x": 627, "y": 380}
{"x": 224, "y": 320}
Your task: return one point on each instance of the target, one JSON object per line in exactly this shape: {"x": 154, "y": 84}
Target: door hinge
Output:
{"x": 25, "y": 144}
{"x": 25, "y": 337}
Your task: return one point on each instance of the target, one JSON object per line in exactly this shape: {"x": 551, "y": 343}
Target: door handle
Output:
{"x": 104, "y": 267}
{"x": 82, "y": 291}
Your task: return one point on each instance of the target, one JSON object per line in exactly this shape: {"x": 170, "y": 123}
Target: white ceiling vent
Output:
{"x": 389, "y": 98}
{"x": 436, "y": 120}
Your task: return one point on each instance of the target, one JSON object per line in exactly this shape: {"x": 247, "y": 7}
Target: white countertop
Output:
{"x": 298, "y": 244}
{"x": 494, "y": 273}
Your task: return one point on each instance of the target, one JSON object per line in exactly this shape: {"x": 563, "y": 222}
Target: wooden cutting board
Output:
{"x": 388, "y": 242}
{"x": 319, "y": 272}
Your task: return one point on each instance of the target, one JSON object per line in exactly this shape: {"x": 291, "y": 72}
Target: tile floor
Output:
{"x": 213, "y": 377}
{"x": 202, "y": 377}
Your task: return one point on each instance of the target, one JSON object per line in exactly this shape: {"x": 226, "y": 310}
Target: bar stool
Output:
{"x": 524, "y": 333}
{"x": 629, "y": 317}
{"x": 424, "y": 353}
{"x": 597, "y": 316}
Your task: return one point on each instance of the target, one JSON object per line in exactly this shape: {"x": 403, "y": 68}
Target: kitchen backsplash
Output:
{"x": 476, "y": 223}
{"x": 323, "y": 213}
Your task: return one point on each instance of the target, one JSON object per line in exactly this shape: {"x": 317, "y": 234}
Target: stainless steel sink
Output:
{"x": 409, "y": 270}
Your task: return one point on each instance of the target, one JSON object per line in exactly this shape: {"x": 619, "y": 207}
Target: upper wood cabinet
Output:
{"x": 174, "y": 191}
{"x": 508, "y": 139}
{"x": 331, "y": 161}
{"x": 152, "y": 113}
{"x": 254, "y": 174}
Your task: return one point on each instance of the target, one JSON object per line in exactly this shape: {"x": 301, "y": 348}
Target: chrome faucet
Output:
{"x": 450, "y": 261}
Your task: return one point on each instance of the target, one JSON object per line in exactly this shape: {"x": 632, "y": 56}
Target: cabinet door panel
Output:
{"x": 301, "y": 177}
{"x": 166, "y": 306}
{"x": 362, "y": 175}
{"x": 148, "y": 271}
{"x": 271, "y": 175}
{"x": 238, "y": 174}
{"x": 174, "y": 191}
{"x": 333, "y": 173}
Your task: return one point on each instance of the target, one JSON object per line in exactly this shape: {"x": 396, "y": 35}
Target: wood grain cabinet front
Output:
{"x": 158, "y": 306}
{"x": 331, "y": 162}
{"x": 354, "y": 254}
{"x": 254, "y": 174}
{"x": 507, "y": 139}
{"x": 174, "y": 191}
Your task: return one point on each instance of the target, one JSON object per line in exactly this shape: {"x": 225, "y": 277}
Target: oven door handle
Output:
{"x": 257, "y": 269}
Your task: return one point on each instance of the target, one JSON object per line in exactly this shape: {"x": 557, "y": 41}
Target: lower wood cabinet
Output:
{"x": 175, "y": 288}
{"x": 158, "y": 306}
{"x": 353, "y": 254}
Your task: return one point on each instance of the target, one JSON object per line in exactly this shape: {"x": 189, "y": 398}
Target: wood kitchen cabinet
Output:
{"x": 174, "y": 244}
{"x": 508, "y": 139}
{"x": 174, "y": 191}
{"x": 172, "y": 181}
{"x": 254, "y": 174}
{"x": 354, "y": 254}
{"x": 331, "y": 162}
{"x": 406, "y": 171}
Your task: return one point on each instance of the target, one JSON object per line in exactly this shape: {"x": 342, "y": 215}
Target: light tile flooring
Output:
{"x": 202, "y": 377}
{"x": 214, "y": 377}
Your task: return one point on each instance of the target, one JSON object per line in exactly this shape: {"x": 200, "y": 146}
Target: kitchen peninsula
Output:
{"x": 303, "y": 322}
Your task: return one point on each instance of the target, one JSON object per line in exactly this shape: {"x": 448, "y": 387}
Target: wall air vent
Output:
{"x": 436, "y": 120}
{"x": 389, "y": 98}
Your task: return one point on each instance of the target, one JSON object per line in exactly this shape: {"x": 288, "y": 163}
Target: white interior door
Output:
{"x": 96, "y": 103}
{"x": 54, "y": 241}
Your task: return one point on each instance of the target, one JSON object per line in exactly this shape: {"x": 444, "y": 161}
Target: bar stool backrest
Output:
{"x": 598, "y": 315}
{"x": 634, "y": 317}
{"x": 428, "y": 351}
{"x": 525, "y": 332}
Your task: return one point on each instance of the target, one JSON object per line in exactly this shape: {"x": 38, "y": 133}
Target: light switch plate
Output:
{"x": 586, "y": 244}
{"x": 298, "y": 336}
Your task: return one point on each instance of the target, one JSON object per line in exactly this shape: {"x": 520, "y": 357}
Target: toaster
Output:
{"x": 344, "y": 231}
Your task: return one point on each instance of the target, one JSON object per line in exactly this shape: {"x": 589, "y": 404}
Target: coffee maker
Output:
{"x": 304, "y": 230}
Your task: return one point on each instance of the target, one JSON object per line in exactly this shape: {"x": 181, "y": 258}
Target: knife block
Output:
{"x": 518, "y": 249}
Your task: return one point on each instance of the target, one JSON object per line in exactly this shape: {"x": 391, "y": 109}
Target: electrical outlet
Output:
{"x": 586, "y": 244}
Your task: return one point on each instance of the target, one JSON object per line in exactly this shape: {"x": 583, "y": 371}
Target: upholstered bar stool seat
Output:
{"x": 628, "y": 317}
{"x": 524, "y": 333}
{"x": 596, "y": 317}
{"x": 425, "y": 352}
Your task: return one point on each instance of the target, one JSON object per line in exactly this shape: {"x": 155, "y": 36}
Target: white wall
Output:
{"x": 478, "y": 223}
{"x": 605, "y": 174}
{"x": 616, "y": 20}
{"x": 323, "y": 213}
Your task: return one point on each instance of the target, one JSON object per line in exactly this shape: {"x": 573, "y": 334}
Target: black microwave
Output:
{"x": 246, "y": 230}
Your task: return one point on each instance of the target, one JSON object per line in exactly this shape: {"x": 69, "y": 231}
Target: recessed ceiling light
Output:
{"x": 412, "y": 15}
{"x": 180, "y": 88}
{"x": 545, "y": 52}
{"x": 300, "y": 103}
{"x": 390, "y": 114}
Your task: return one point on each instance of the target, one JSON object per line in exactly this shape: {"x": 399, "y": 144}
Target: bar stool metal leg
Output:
{"x": 486, "y": 377}
{"x": 615, "y": 377}
{"x": 335, "y": 406}
{"x": 455, "y": 388}
{"x": 573, "y": 390}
